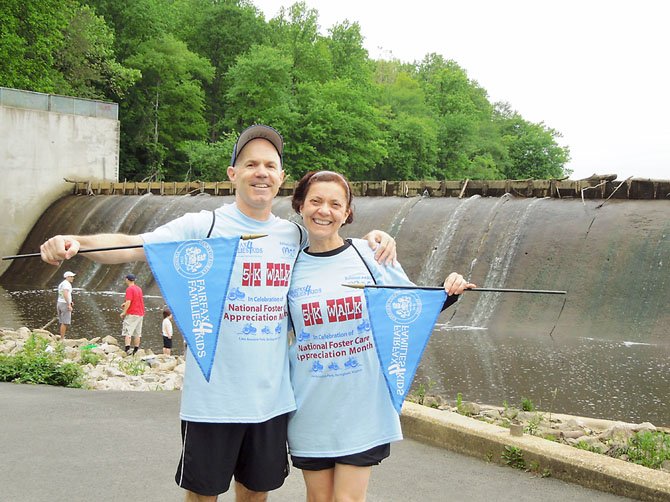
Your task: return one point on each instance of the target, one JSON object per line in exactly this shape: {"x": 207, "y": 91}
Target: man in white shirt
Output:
{"x": 64, "y": 304}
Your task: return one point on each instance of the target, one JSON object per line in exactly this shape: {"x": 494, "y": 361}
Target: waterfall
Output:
{"x": 444, "y": 234}
{"x": 499, "y": 267}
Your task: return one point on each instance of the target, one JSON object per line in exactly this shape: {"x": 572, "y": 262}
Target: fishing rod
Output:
{"x": 246, "y": 237}
{"x": 481, "y": 290}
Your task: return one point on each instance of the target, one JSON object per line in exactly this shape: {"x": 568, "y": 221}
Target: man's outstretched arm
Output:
{"x": 63, "y": 247}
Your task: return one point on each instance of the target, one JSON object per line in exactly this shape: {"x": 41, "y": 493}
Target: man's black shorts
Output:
{"x": 213, "y": 453}
{"x": 367, "y": 458}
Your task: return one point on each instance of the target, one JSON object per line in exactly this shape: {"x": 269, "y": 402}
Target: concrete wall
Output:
{"x": 45, "y": 140}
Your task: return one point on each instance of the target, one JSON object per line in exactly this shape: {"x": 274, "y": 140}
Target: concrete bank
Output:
{"x": 485, "y": 441}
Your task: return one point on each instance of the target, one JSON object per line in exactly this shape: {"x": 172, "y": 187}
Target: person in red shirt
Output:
{"x": 133, "y": 314}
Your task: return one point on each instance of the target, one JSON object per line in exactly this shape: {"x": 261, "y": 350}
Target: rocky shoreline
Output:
{"x": 115, "y": 370}
{"x": 146, "y": 371}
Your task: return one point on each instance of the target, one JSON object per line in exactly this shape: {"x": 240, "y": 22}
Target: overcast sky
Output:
{"x": 597, "y": 71}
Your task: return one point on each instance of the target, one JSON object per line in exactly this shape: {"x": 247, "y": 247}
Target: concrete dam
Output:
{"x": 607, "y": 354}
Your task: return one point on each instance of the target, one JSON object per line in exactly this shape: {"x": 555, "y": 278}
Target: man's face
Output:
{"x": 257, "y": 176}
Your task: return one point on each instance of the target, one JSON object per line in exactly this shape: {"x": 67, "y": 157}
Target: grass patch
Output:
{"x": 39, "y": 363}
{"x": 649, "y": 448}
{"x": 133, "y": 366}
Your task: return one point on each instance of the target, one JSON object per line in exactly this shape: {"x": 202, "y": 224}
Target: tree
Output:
{"x": 208, "y": 161}
{"x": 220, "y": 31}
{"x": 295, "y": 31}
{"x": 463, "y": 113}
{"x": 349, "y": 57}
{"x": 260, "y": 89}
{"x": 31, "y": 32}
{"x": 533, "y": 150}
{"x": 410, "y": 128}
{"x": 135, "y": 21}
{"x": 86, "y": 63}
{"x": 337, "y": 128}
{"x": 166, "y": 108}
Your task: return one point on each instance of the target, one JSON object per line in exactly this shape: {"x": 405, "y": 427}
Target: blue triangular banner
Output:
{"x": 194, "y": 276}
{"x": 402, "y": 321}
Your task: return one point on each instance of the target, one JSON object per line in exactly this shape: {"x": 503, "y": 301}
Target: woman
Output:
{"x": 345, "y": 419}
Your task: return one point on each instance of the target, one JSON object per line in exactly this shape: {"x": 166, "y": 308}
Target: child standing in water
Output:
{"x": 167, "y": 331}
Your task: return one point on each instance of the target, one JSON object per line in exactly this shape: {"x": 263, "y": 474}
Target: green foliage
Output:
{"x": 88, "y": 357}
{"x": 337, "y": 129}
{"x": 221, "y": 32}
{"x": 37, "y": 363}
{"x": 527, "y": 404}
{"x": 532, "y": 148}
{"x": 260, "y": 90}
{"x": 459, "y": 403}
{"x": 190, "y": 74}
{"x": 133, "y": 366}
{"x": 167, "y": 106}
{"x": 583, "y": 445}
{"x": 513, "y": 457}
{"x": 207, "y": 161}
{"x": 649, "y": 448}
{"x": 31, "y": 33}
{"x": 533, "y": 424}
{"x": 86, "y": 62}
{"x": 421, "y": 390}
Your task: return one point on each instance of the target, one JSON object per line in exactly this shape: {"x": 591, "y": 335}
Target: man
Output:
{"x": 64, "y": 304}
{"x": 234, "y": 425}
{"x": 132, "y": 315}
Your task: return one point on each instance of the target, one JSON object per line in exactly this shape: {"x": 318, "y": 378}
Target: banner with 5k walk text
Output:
{"x": 194, "y": 276}
{"x": 402, "y": 321}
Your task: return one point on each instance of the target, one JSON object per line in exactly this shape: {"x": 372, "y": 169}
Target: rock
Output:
{"x": 45, "y": 335}
{"x": 23, "y": 333}
{"x": 110, "y": 340}
{"x": 646, "y": 427}
{"x": 510, "y": 413}
{"x": 7, "y": 346}
{"x": 115, "y": 372}
{"x": 430, "y": 401}
{"x": 469, "y": 409}
{"x": 490, "y": 413}
{"x": 572, "y": 434}
{"x": 71, "y": 342}
{"x": 619, "y": 433}
{"x": 574, "y": 423}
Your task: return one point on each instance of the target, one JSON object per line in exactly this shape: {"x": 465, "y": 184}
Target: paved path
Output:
{"x": 72, "y": 445}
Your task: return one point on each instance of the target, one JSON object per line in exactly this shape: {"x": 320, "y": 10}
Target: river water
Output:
{"x": 578, "y": 375}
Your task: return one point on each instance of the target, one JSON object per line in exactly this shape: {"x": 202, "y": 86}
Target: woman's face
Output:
{"x": 325, "y": 209}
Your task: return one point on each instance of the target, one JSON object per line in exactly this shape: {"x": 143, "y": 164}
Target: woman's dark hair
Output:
{"x": 301, "y": 189}
{"x": 166, "y": 312}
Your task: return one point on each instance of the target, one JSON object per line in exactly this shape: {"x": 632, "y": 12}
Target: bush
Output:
{"x": 38, "y": 363}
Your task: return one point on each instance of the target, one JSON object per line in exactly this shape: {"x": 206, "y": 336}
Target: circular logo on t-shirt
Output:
{"x": 193, "y": 259}
{"x": 404, "y": 307}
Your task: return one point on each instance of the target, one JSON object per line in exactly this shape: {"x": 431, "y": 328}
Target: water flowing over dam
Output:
{"x": 608, "y": 354}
